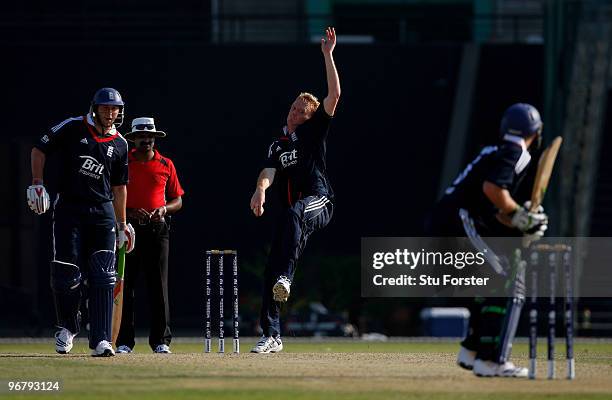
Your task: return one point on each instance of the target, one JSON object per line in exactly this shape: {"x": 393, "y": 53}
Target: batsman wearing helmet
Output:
{"x": 480, "y": 202}
{"x": 297, "y": 160}
{"x": 89, "y": 216}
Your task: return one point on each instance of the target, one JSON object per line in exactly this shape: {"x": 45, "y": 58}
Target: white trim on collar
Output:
{"x": 525, "y": 157}
{"x": 292, "y": 135}
{"x": 522, "y": 162}
{"x": 516, "y": 140}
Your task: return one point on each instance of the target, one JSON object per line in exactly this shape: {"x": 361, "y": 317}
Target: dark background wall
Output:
{"x": 221, "y": 106}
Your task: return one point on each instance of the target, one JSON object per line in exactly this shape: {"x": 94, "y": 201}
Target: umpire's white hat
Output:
{"x": 143, "y": 124}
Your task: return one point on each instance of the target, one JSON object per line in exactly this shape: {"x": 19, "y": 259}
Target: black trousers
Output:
{"x": 292, "y": 231}
{"x": 149, "y": 258}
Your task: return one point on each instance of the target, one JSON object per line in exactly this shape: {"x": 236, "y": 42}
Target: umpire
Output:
{"x": 88, "y": 216}
{"x": 154, "y": 192}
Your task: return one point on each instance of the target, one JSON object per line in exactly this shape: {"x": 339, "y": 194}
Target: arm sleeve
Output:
{"x": 502, "y": 171}
{"x": 50, "y": 141}
{"x": 119, "y": 174}
{"x": 525, "y": 180}
{"x": 173, "y": 187}
{"x": 319, "y": 123}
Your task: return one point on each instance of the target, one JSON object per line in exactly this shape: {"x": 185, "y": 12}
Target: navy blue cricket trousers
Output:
{"x": 292, "y": 231}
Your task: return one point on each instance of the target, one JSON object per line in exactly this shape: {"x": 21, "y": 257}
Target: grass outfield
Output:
{"x": 306, "y": 370}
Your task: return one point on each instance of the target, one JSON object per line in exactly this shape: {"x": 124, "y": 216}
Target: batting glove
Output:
{"x": 529, "y": 221}
{"x": 126, "y": 236}
{"x": 38, "y": 199}
{"x": 534, "y": 235}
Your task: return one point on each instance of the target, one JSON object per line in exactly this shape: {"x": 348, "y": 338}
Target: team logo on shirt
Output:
{"x": 84, "y": 140}
{"x": 45, "y": 139}
{"x": 288, "y": 158}
{"x": 91, "y": 167}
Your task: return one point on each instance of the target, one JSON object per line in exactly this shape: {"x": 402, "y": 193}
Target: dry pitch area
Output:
{"x": 307, "y": 370}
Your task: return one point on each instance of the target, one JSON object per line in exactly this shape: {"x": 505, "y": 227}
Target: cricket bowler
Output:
{"x": 297, "y": 161}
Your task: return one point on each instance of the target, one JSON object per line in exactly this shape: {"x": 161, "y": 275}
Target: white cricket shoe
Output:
{"x": 103, "y": 349}
{"x": 281, "y": 289}
{"x": 63, "y": 341}
{"x": 465, "y": 358}
{"x": 123, "y": 349}
{"x": 162, "y": 348}
{"x": 505, "y": 370}
{"x": 268, "y": 344}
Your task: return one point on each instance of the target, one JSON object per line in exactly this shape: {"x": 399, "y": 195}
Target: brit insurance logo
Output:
{"x": 288, "y": 158}
{"x": 91, "y": 167}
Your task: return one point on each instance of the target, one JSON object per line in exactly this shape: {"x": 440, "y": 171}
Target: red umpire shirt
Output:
{"x": 151, "y": 182}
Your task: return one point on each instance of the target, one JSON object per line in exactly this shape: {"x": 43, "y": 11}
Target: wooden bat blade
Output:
{"x": 118, "y": 295}
{"x": 544, "y": 172}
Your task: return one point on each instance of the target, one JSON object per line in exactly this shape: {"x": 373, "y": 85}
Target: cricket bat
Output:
{"x": 118, "y": 294}
{"x": 542, "y": 178}
{"x": 544, "y": 172}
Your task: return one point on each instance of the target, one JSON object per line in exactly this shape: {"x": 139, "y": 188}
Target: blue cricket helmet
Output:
{"x": 111, "y": 97}
{"x": 522, "y": 120}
